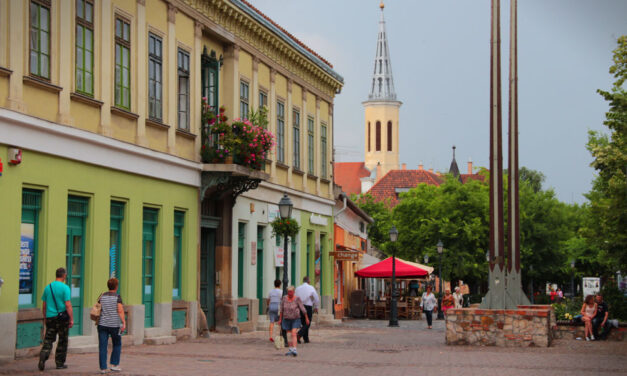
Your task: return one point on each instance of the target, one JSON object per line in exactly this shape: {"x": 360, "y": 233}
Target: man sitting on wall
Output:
{"x": 600, "y": 320}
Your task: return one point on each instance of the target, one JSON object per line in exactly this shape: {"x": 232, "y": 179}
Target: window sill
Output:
{"x": 157, "y": 124}
{"x": 4, "y": 72}
{"x": 311, "y": 176}
{"x": 40, "y": 83}
{"x": 325, "y": 180}
{"x": 186, "y": 134}
{"x": 282, "y": 165}
{"x": 124, "y": 113}
{"x": 29, "y": 314}
{"x": 86, "y": 100}
{"x": 298, "y": 172}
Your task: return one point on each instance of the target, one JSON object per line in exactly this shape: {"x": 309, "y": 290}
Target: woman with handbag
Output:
{"x": 111, "y": 323}
{"x": 291, "y": 308}
{"x": 428, "y": 302}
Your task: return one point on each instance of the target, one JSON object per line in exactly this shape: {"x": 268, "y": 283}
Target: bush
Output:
{"x": 616, "y": 301}
{"x": 567, "y": 309}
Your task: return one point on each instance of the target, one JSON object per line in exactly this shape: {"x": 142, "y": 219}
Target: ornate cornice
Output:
{"x": 267, "y": 42}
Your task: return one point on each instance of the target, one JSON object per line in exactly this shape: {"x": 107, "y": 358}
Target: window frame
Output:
{"x": 323, "y": 150}
{"x": 183, "y": 73}
{"x": 179, "y": 224}
{"x": 37, "y": 50}
{"x": 389, "y": 133}
{"x": 280, "y": 130}
{"x": 378, "y": 136}
{"x": 369, "y": 142}
{"x": 36, "y": 212}
{"x": 156, "y": 59}
{"x": 244, "y": 99}
{"x": 122, "y": 43}
{"x": 311, "y": 150}
{"x": 296, "y": 138}
{"x": 263, "y": 98}
{"x": 84, "y": 24}
{"x": 210, "y": 66}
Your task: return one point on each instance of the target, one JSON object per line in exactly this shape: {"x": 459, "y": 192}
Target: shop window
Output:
{"x": 241, "y": 241}
{"x": 29, "y": 243}
{"x": 115, "y": 241}
{"x": 179, "y": 222}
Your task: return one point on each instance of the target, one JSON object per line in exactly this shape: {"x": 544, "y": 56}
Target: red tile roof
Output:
{"x": 303, "y": 45}
{"x": 347, "y": 175}
{"x": 466, "y": 177}
{"x": 385, "y": 188}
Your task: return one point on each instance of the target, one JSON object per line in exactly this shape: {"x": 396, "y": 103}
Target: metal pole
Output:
{"x": 394, "y": 307}
{"x": 285, "y": 282}
{"x": 440, "y": 313}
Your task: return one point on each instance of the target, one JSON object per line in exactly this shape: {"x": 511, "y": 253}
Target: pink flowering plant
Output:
{"x": 247, "y": 141}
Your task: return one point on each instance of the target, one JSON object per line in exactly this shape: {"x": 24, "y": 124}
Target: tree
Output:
{"x": 608, "y": 197}
{"x": 378, "y": 232}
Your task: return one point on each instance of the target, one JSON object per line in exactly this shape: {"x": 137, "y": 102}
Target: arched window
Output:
{"x": 369, "y": 137}
{"x": 378, "y": 136}
{"x": 380, "y": 84}
{"x": 389, "y": 136}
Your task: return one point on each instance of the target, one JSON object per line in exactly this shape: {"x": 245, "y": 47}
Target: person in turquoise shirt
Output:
{"x": 56, "y": 298}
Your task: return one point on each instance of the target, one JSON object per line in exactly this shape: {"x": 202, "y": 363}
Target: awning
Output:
{"x": 383, "y": 269}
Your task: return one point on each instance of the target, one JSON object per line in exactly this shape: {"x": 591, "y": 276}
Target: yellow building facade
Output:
{"x": 111, "y": 90}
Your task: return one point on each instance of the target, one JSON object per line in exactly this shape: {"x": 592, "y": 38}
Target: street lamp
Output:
{"x": 285, "y": 211}
{"x": 393, "y": 308}
{"x": 572, "y": 277}
{"x": 440, "y": 249}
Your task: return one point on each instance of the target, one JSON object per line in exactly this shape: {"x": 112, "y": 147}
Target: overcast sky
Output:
{"x": 440, "y": 59}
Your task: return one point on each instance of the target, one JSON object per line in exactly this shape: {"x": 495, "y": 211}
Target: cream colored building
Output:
{"x": 102, "y": 97}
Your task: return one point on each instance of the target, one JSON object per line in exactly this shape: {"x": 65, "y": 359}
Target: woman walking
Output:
{"x": 111, "y": 324}
{"x": 291, "y": 308}
{"x": 274, "y": 300}
{"x": 428, "y": 302}
{"x": 588, "y": 312}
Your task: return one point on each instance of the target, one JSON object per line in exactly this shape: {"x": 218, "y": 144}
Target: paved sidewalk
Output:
{"x": 358, "y": 348}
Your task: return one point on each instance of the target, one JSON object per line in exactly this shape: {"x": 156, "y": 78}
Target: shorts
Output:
{"x": 273, "y": 312}
{"x": 289, "y": 324}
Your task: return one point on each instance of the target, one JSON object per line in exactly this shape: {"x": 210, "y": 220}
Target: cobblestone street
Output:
{"x": 356, "y": 348}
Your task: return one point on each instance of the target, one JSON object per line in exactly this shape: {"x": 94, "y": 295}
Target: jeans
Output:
{"x": 55, "y": 326}
{"x": 429, "y": 316}
{"x": 596, "y": 323}
{"x": 103, "y": 340}
{"x": 304, "y": 331}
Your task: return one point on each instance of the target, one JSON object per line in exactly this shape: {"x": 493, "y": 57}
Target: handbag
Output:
{"x": 96, "y": 310}
{"x": 61, "y": 316}
{"x": 278, "y": 342}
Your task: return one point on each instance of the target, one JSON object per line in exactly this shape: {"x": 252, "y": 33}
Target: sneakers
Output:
{"x": 592, "y": 338}
{"x": 62, "y": 366}
{"x": 116, "y": 369}
{"x": 587, "y": 339}
{"x": 292, "y": 352}
{"x": 103, "y": 371}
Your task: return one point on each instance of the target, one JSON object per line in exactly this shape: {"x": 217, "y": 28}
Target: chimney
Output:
{"x": 404, "y": 166}
{"x": 470, "y": 166}
{"x": 421, "y": 167}
{"x": 431, "y": 170}
{"x": 379, "y": 171}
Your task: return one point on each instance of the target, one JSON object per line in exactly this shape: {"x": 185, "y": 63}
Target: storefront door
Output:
{"x": 148, "y": 267}
{"x": 207, "y": 274}
{"x": 75, "y": 250}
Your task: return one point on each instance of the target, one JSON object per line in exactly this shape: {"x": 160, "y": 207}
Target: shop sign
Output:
{"x": 345, "y": 255}
{"x": 318, "y": 220}
{"x": 278, "y": 257}
{"x": 27, "y": 251}
{"x": 273, "y": 212}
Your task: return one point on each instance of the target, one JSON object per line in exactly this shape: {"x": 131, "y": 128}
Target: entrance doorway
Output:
{"x": 75, "y": 250}
{"x": 208, "y": 273}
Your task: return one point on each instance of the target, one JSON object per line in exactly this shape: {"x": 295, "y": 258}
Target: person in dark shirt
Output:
{"x": 600, "y": 320}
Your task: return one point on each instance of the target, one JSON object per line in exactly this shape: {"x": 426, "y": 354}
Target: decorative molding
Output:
{"x": 289, "y": 85}
{"x": 141, "y": 2}
{"x": 172, "y": 13}
{"x": 255, "y": 63}
{"x": 317, "y": 102}
{"x": 124, "y": 113}
{"x": 279, "y": 49}
{"x": 272, "y": 75}
{"x": 305, "y": 95}
{"x": 78, "y": 97}
{"x": 157, "y": 124}
{"x": 198, "y": 26}
{"x": 39, "y": 83}
{"x": 185, "y": 134}
{"x": 5, "y": 72}
{"x": 47, "y": 137}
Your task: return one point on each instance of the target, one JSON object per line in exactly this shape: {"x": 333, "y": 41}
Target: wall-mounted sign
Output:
{"x": 253, "y": 253}
{"x": 318, "y": 220}
{"x": 278, "y": 257}
{"x": 273, "y": 212}
{"x": 345, "y": 255}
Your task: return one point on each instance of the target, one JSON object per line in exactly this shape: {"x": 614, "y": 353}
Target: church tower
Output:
{"x": 381, "y": 111}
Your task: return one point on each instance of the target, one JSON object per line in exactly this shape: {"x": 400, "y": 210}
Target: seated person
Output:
{"x": 601, "y": 319}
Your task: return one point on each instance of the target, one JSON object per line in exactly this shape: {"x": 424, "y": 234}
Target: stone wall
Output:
{"x": 498, "y": 327}
{"x": 569, "y": 330}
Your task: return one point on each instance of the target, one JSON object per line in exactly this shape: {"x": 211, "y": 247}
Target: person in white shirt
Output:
{"x": 428, "y": 303}
{"x": 308, "y": 295}
{"x": 458, "y": 298}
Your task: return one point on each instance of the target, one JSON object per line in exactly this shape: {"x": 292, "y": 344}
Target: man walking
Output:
{"x": 57, "y": 309}
{"x": 308, "y": 295}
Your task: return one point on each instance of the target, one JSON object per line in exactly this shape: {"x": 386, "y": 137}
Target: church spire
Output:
{"x": 382, "y": 87}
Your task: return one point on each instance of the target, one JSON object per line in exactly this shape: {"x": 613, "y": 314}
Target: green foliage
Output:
{"x": 616, "y": 300}
{"x": 608, "y": 197}
{"x": 285, "y": 227}
{"x": 378, "y": 232}
{"x": 567, "y": 309}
